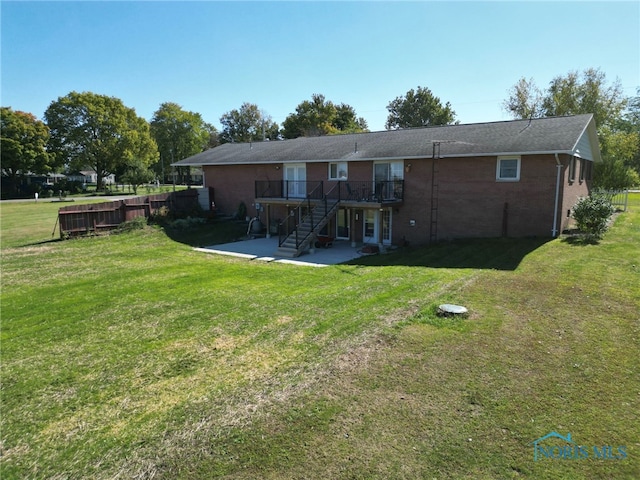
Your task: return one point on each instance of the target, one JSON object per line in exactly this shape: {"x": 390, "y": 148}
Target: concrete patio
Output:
{"x": 264, "y": 250}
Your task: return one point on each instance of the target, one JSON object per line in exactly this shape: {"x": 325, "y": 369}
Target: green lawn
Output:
{"x": 132, "y": 356}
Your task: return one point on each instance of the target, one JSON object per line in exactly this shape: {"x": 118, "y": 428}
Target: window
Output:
{"x": 588, "y": 170}
{"x": 387, "y": 177}
{"x": 585, "y": 170}
{"x": 508, "y": 169}
{"x": 572, "y": 170}
{"x": 338, "y": 171}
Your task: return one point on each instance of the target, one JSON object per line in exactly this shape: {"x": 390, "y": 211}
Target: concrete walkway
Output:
{"x": 264, "y": 250}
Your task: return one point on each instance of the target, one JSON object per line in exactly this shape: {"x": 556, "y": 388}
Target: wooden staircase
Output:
{"x": 305, "y": 232}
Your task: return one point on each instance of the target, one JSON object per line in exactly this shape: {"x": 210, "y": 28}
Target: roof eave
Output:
{"x": 377, "y": 159}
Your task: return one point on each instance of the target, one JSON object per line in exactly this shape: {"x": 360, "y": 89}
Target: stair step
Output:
{"x": 305, "y": 231}
{"x": 287, "y": 252}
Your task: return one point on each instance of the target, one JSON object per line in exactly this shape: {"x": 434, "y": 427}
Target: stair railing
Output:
{"x": 295, "y": 218}
{"x": 322, "y": 206}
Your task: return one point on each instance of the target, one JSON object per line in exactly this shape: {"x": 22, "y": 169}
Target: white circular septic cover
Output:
{"x": 447, "y": 308}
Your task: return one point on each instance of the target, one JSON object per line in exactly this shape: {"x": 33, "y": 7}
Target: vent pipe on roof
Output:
{"x": 355, "y": 149}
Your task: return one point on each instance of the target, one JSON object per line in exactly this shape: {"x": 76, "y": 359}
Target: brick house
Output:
{"x": 514, "y": 178}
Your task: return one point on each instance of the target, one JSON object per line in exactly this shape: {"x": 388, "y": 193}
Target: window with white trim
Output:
{"x": 338, "y": 171}
{"x": 508, "y": 169}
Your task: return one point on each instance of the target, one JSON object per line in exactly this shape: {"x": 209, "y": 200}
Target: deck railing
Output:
{"x": 352, "y": 191}
{"x": 377, "y": 192}
{"x": 286, "y": 189}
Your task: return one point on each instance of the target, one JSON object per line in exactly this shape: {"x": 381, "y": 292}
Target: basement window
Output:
{"x": 508, "y": 169}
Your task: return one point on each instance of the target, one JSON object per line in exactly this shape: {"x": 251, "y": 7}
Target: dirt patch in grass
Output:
{"x": 27, "y": 251}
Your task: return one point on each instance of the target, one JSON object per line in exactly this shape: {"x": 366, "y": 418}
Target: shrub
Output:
{"x": 69, "y": 186}
{"x": 614, "y": 175}
{"x": 137, "y": 223}
{"x": 161, "y": 216}
{"x": 187, "y": 223}
{"x": 242, "y": 211}
{"x": 592, "y": 215}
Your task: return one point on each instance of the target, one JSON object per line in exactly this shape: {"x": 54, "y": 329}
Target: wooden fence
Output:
{"x": 85, "y": 219}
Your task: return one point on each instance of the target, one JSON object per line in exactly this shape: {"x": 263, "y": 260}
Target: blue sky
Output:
{"x": 210, "y": 57}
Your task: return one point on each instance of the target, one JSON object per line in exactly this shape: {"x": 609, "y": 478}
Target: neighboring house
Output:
{"x": 90, "y": 176}
{"x": 514, "y": 178}
{"x": 27, "y": 185}
{"x": 192, "y": 176}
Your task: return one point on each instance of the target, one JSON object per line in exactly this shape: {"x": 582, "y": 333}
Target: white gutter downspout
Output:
{"x": 554, "y": 232}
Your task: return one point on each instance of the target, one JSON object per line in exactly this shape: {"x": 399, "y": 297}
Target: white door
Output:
{"x": 374, "y": 220}
{"x": 295, "y": 176}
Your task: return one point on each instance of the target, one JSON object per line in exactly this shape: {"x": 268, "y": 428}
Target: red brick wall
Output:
{"x": 233, "y": 184}
{"x": 471, "y": 203}
{"x": 572, "y": 191}
{"x": 417, "y": 205}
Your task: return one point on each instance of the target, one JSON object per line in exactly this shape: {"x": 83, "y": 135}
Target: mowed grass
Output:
{"x": 132, "y": 356}
{"x": 24, "y": 223}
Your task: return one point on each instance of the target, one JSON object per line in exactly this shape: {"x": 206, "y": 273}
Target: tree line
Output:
{"x": 88, "y": 130}
{"x": 617, "y": 118}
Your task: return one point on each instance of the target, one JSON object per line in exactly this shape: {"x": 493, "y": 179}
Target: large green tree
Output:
{"x": 322, "y": 117}
{"x": 346, "y": 120}
{"x": 571, "y": 94}
{"x": 136, "y": 173}
{"x": 629, "y": 124}
{"x": 23, "y": 140}
{"x": 418, "y": 108}
{"x": 619, "y": 150}
{"x": 588, "y": 92}
{"x": 99, "y": 132}
{"x": 179, "y": 134}
{"x": 525, "y": 100}
{"x": 247, "y": 124}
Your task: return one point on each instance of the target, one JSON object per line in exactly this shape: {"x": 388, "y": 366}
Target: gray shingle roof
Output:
{"x": 542, "y": 135}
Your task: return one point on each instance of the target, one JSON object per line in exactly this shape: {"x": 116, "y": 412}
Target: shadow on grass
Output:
{"x": 486, "y": 253}
{"x": 581, "y": 240}
{"x": 207, "y": 234}
{"x": 42, "y": 242}
{"x": 576, "y": 237}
